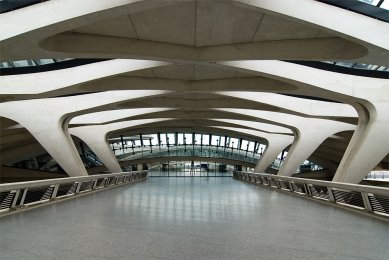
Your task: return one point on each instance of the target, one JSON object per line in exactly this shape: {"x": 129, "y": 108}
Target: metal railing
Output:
{"x": 14, "y": 196}
{"x": 369, "y": 199}
{"x": 193, "y": 151}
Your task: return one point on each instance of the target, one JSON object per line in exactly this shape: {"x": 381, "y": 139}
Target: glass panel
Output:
{"x": 188, "y": 138}
{"x": 59, "y": 60}
{"x": 244, "y": 145}
{"x": 227, "y": 142}
{"x": 171, "y": 138}
{"x": 154, "y": 139}
{"x": 137, "y": 143}
{"x": 383, "y": 68}
{"x": 261, "y": 148}
{"x": 222, "y": 139}
{"x": 214, "y": 140}
{"x": 44, "y": 61}
{"x": 385, "y": 5}
{"x": 163, "y": 139}
{"x": 364, "y": 66}
{"x": 345, "y": 64}
{"x": 23, "y": 63}
{"x": 198, "y": 139}
{"x": 251, "y": 146}
{"x": 5, "y": 65}
{"x": 370, "y": 2}
{"x": 205, "y": 139}
{"x": 234, "y": 143}
{"x": 146, "y": 142}
{"x": 180, "y": 139}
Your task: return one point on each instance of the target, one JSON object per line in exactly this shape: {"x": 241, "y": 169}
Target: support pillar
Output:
{"x": 368, "y": 145}
{"x": 273, "y": 149}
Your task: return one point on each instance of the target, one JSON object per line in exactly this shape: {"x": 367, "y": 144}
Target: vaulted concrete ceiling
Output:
{"x": 192, "y": 50}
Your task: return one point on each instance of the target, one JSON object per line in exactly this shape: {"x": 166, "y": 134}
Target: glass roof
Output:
{"x": 29, "y": 63}
{"x": 384, "y": 4}
{"x": 361, "y": 66}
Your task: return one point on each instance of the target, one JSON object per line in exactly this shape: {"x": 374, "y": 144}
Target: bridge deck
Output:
{"x": 191, "y": 218}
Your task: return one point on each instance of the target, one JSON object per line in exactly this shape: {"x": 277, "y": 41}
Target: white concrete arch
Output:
{"x": 47, "y": 120}
{"x": 308, "y": 107}
{"x": 98, "y": 143}
{"x": 368, "y": 31}
{"x": 276, "y": 144}
{"x": 369, "y": 96}
{"x": 49, "y": 36}
{"x": 42, "y": 82}
{"x": 107, "y": 116}
{"x": 309, "y": 134}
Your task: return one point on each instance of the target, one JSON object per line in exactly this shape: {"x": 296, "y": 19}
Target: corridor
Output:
{"x": 191, "y": 218}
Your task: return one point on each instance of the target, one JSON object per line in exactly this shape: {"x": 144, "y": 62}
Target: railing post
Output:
{"x": 307, "y": 189}
{"x": 94, "y": 184}
{"x": 278, "y": 183}
{"x": 15, "y": 199}
{"x": 78, "y": 187}
{"x": 291, "y": 186}
{"x": 23, "y": 197}
{"x": 55, "y": 190}
{"x": 366, "y": 201}
{"x": 331, "y": 195}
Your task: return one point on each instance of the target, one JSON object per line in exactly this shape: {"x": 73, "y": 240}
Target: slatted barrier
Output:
{"x": 368, "y": 199}
{"x": 20, "y": 195}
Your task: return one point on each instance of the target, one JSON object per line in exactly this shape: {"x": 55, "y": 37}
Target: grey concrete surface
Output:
{"x": 191, "y": 218}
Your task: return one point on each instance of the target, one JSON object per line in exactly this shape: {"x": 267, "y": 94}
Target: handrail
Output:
{"x": 32, "y": 184}
{"x": 370, "y": 199}
{"x": 31, "y": 193}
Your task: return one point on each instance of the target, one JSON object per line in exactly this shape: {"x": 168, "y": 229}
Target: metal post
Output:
{"x": 366, "y": 201}
{"x": 307, "y": 189}
{"x": 54, "y": 193}
{"x": 82, "y": 151}
{"x": 121, "y": 139}
{"x": 331, "y": 195}
{"x": 15, "y": 199}
{"x": 94, "y": 184}
{"x": 23, "y": 197}
{"x": 78, "y": 187}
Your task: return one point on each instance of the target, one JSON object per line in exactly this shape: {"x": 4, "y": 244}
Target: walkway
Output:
{"x": 191, "y": 218}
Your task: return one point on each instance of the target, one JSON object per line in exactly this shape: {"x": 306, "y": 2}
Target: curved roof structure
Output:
{"x": 105, "y": 68}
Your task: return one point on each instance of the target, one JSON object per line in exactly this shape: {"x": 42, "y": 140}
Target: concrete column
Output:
{"x": 368, "y": 146}
{"x": 47, "y": 120}
{"x": 309, "y": 134}
{"x": 58, "y": 144}
{"x": 275, "y": 142}
{"x": 275, "y": 146}
{"x": 98, "y": 143}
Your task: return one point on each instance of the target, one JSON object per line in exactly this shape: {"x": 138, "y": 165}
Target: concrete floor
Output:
{"x": 191, "y": 218}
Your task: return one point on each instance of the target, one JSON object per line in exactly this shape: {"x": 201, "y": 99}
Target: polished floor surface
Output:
{"x": 191, "y": 218}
